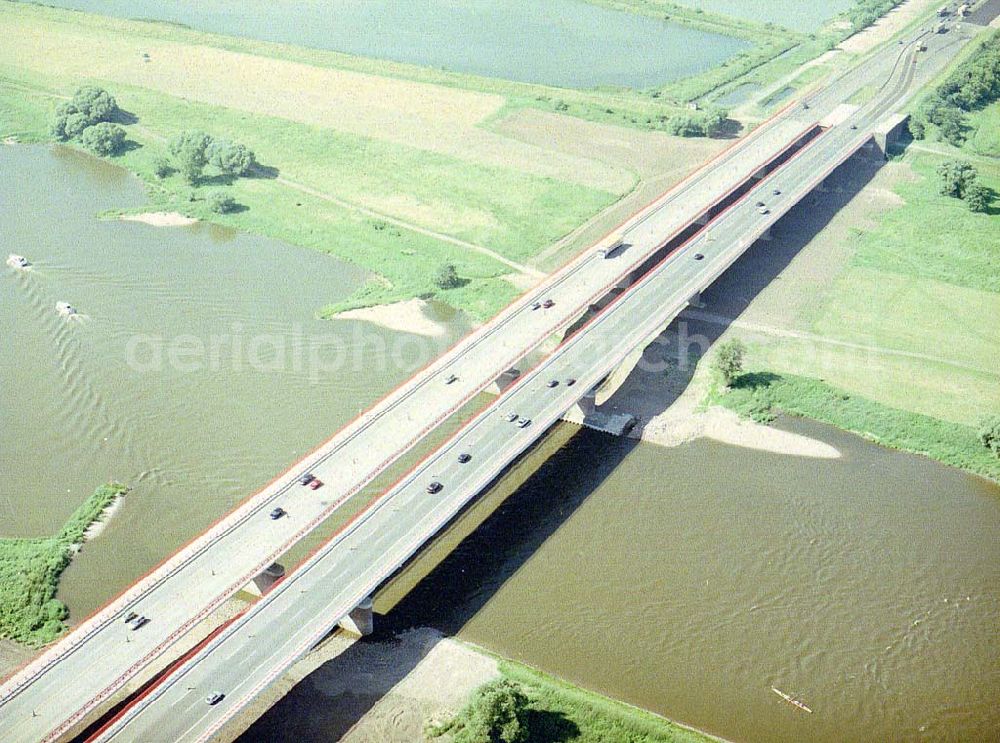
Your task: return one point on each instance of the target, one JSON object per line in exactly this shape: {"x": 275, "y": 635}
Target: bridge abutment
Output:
{"x": 263, "y": 582}
{"x": 504, "y": 381}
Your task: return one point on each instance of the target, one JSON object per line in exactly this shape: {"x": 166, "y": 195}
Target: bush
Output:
{"x": 103, "y": 139}
{"x": 232, "y": 158}
{"x": 222, "y": 203}
{"x": 497, "y": 713}
{"x": 447, "y": 277}
{"x": 977, "y": 197}
{"x": 989, "y": 433}
{"x": 162, "y": 168}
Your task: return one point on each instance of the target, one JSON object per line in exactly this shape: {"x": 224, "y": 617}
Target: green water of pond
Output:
{"x": 798, "y": 15}
{"x": 567, "y": 43}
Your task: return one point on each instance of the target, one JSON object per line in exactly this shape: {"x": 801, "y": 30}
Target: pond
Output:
{"x": 567, "y": 43}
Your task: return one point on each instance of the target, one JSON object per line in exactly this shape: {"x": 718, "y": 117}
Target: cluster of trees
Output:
{"x": 498, "y": 713}
{"x": 865, "y": 12}
{"x": 697, "y": 123}
{"x": 974, "y": 85}
{"x": 194, "y": 150}
{"x": 87, "y": 117}
{"x": 960, "y": 180}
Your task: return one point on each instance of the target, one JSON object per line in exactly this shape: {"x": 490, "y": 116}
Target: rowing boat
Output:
{"x": 791, "y": 700}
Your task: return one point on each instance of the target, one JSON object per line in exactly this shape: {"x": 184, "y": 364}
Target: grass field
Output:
{"x": 30, "y": 568}
{"x": 900, "y": 338}
{"x": 378, "y": 163}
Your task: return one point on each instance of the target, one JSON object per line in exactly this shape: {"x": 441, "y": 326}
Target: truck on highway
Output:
{"x": 611, "y": 244}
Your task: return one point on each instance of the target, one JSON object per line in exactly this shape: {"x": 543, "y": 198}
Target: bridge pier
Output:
{"x": 504, "y": 381}
{"x": 263, "y": 582}
{"x": 765, "y": 235}
{"x": 696, "y": 301}
{"x": 361, "y": 621}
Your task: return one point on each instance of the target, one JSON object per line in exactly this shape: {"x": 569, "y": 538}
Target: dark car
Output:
{"x": 435, "y": 487}
{"x": 464, "y": 458}
{"x": 570, "y": 382}
{"x": 511, "y": 417}
{"x": 130, "y": 616}
{"x": 307, "y": 478}
{"x": 215, "y": 698}
{"x": 277, "y": 513}
{"x": 699, "y": 257}
{"x": 548, "y": 303}
{"x": 776, "y": 192}
{"x": 451, "y": 378}
{"x": 524, "y": 423}
{"x": 854, "y": 126}
{"x": 759, "y": 203}
{"x": 315, "y": 484}
{"x": 552, "y": 383}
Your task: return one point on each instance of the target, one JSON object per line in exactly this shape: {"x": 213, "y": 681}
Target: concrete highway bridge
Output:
{"x": 673, "y": 249}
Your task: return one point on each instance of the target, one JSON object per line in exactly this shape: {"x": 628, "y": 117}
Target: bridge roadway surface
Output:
{"x": 49, "y": 696}
{"x": 253, "y": 651}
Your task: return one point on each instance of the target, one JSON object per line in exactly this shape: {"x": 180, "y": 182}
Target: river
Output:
{"x": 687, "y": 580}
{"x": 196, "y": 373}
{"x": 568, "y": 43}
{"x": 691, "y": 580}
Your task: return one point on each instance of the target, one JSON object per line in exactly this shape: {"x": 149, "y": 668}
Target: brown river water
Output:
{"x": 687, "y": 580}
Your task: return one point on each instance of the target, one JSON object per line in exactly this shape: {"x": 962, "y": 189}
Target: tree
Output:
{"x": 496, "y": 714}
{"x": 103, "y": 139}
{"x": 714, "y": 122}
{"x": 189, "y": 149}
{"x": 231, "y": 157}
{"x": 952, "y": 124}
{"x": 222, "y": 203}
{"x": 977, "y": 197}
{"x": 956, "y": 177}
{"x": 447, "y": 277}
{"x": 729, "y": 360}
{"x": 917, "y": 127}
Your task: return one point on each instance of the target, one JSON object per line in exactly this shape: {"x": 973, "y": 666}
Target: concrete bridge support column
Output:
{"x": 361, "y": 621}
{"x": 263, "y": 582}
{"x": 696, "y": 301}
{"x": 586, "y": 405}
{"x": 504, "y": 381}
{"x": 766, "y": 235}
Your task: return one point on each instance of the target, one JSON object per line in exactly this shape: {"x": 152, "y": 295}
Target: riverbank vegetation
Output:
{"x": 762, "y": 395}
{"x": 527, "y": 706}
{"x": 30, "y": 568}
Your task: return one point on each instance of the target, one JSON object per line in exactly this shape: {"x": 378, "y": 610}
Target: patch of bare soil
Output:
{"x": 160, "y": 219}
{"x": 407, "y": 317}
{"x": 368, "y": 691}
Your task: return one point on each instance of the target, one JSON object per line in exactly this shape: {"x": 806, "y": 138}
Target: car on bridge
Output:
{"x": 524, "y": 423}
{"x": 435, "y": 487}
{"x": 511, "y": 416}
{"x": 277, "y": 513}
{"x": 307, "y": 478}
{"x": 451, "y": 378}
{"x": 464, "y": 458}
{"x": 315, "y": 484}
{"x": 548, "y": 303}
{"x": 552, "y": 383}
{"x": 214, "y": 699}
{"x": 137, "y": 622}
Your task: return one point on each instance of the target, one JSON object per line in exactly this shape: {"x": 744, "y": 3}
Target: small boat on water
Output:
{"x": 65, "y": 309}
{"x": 17, "y": 261}
{"x": 791, "y": 700}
